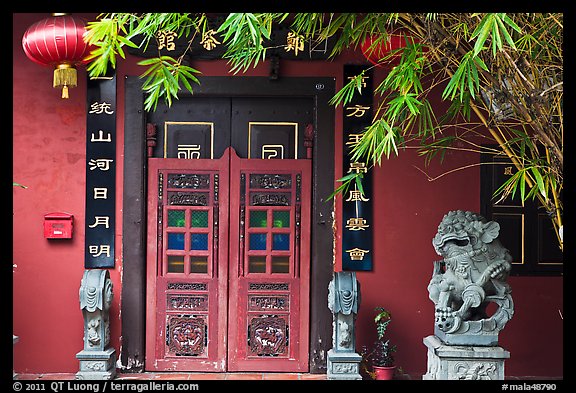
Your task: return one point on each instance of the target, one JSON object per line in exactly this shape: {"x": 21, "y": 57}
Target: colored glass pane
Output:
{"x": 199, "y": 241}
{"x": 175, "y": 264}
{"x": 199, "y": 219}
{"x": 175, "y": 241}
{"x": 198, "y": 264}
{"x": 176, "y": 218}
{"x": 258, "y": 218}
{"x": 257, "y": 241}
{"x": 257, "y": 264}
{"x": 280, "y": 264}
{"x": 281, "y": 218}
{"x": 281, "y": 241}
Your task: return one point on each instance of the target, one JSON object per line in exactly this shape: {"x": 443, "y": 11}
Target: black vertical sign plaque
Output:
{"x": 100, "y": 172}
{"x": 357, "y": 205}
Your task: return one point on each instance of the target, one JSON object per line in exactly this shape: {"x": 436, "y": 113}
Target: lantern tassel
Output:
{"x": 65, "y": 77}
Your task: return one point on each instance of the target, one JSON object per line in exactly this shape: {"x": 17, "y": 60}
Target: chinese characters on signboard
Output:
{"x": 283, "y": 43}
{"x": 100, "y": 172}
{"x": 357, "y": 204}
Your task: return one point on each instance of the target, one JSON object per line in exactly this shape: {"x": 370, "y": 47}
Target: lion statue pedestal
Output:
{"x": 471, "y": 275}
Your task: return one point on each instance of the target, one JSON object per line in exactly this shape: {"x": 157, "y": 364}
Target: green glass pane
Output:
{"x": 199, "y": 219}
{"x": 258, "y": 218}
{"x": 281, "y": 219}
{"x": 175, "y": 264}
{"x": 281, "y": 264}
{"x": 176, "y": 218}
{"x": 257, "y": 264}
{"x": 198, "y": 264}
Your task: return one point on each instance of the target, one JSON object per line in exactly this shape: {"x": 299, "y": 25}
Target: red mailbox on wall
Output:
{"x": 58, "y": 225}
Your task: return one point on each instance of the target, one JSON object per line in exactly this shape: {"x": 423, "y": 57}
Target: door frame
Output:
{"x": 134, "y": 200}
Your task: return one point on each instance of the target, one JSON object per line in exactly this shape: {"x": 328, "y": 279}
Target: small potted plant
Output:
{"x": 379, "y": 360}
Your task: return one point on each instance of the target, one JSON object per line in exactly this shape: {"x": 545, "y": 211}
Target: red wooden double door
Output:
{"x": 228, "y": 248}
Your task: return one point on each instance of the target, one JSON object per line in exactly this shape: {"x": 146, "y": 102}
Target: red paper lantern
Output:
{"x": 58, "y": 41}
{"x": 374, "y": 53}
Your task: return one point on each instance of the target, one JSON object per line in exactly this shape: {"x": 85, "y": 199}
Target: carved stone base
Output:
{"x": 463, "y": 362}
{"x": 343, "y": 365}
{"x": 100, "y": 365}
{"x": 482, "y": 338}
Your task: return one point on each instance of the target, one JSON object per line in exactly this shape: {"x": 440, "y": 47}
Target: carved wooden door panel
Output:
{"x": 269, "y": 265}
{"x": 228, "y": 240}
{"x": 187, "y": 270}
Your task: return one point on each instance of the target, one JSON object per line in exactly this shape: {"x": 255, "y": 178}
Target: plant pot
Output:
{"x": 384, "y": 373}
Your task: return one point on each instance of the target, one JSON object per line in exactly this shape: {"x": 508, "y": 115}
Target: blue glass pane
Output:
{"x": 257, "y": 241}
{"x": 199, "y": 241}
{"x": 281, "y": 241}
{"x": 175, "y": 241}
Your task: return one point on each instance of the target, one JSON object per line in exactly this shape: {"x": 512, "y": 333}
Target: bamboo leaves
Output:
{"x": 466, "y": 78}
{"x": 345, "y": 95}
{"x": 494, "y": 26}
{"x": 519, "y": 180}
{"x": 516, "y": 60}
{"x": 105, "y": 36}
{"x": 244, "y": 34}
{"x": 163, "y": 78}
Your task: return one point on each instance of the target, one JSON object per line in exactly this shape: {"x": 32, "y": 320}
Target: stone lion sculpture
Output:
{"x": 471, "y": 275}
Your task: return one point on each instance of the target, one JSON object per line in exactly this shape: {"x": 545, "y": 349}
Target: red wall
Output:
{"x": 49, "y": 157}
{"x": 49, "y": 152}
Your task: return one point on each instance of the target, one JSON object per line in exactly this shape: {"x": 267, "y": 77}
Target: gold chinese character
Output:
{"x": 358, "y": 167}
{"x": 363, "y": 83}
{"x": 209, "y": 42}
{"x": 294, "y": 42}
{"x": 357, "y": 110}
{"x": 96, "y": 251}
{"x": 166, "y": 40}
{"x": 356, "y": 224}
{"x": 99, "y": 108}
{"x": 354, "y": 139}
{"x": 356, "y": 195}
{"x": 101, "y": 220}
{"x": 357, "y": 254}
{"x": 508, "y": 170}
